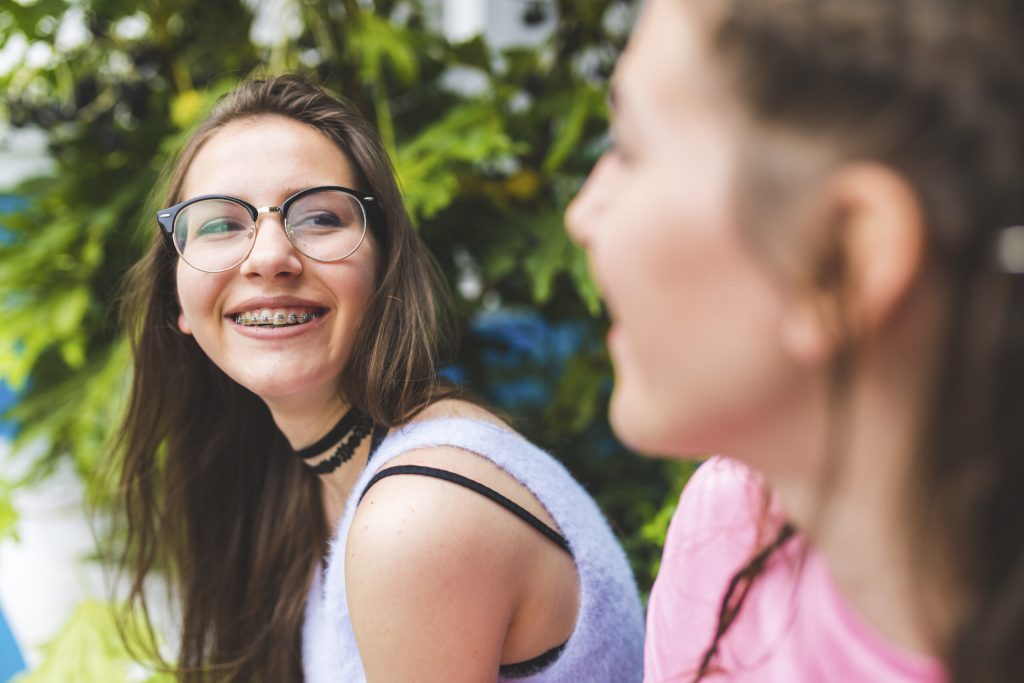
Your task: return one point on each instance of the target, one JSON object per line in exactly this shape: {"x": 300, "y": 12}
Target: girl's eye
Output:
{"x": 323, "y": 219}
{"x": 219, "y": 227}
{"x": 326, "y": 220}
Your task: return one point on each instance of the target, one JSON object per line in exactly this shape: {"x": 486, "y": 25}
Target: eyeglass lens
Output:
{"x": 217, "y": 234}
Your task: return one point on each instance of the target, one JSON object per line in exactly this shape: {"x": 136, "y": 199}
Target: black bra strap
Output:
{"x": 454, "y": 478}
{"x": 532, "y": 666}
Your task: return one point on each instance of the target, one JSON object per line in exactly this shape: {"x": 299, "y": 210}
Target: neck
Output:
{"x": 850, "y": 508}
{"x": 304, "y": 422}
{"x": 851, "y": 498}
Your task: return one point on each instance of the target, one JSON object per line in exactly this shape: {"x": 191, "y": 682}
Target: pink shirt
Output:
{"x": 793, "y": 628}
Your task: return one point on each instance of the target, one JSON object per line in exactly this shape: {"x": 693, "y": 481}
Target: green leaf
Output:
{"x": 473, "y": 52}
{"x": 376, "y": 44}
{"x": 587, "y": 102}
{"x": 583, "y": 280}
{"x": 577, "y": 394}
{"x": 431, "y": 165}
{"x": 549, "y": 257}
{"x": 68, "y": 309}
{"x": 89, "y": 649}
{"x": 8, "y": 515}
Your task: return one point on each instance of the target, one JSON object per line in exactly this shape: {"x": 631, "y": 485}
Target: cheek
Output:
{"x": 184, "y": 293}
{"x": 695, "y": 338}
{"x": 196, "y": 295}
{"x": 360, "y": 287}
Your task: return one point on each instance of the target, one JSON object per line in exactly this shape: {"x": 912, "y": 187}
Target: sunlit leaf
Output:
{"x": 585, "y": 103}
{"x": 89, "y": 649}
{"x": 8, "y": 515}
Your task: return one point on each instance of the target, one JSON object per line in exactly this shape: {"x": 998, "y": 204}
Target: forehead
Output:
{"x": 265, "y": 159}
{"x": 666, "y": 65}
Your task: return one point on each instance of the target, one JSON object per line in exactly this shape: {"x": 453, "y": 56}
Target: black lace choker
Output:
{"x": 350, "y": 430}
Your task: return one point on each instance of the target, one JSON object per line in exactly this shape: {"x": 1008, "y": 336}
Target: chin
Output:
{"x": 282, "y": 390}
{"x": 634, "y": 424}
{"x": 651, "y": 427}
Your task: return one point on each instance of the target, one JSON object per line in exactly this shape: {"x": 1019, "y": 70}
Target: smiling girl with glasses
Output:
{"x": 327, "y": 507}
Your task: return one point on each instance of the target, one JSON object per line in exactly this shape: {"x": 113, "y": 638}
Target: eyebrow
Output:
{"x": 285, "y": 192}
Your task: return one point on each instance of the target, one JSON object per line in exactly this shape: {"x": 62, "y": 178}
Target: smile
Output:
{"x": 277, "y": 317}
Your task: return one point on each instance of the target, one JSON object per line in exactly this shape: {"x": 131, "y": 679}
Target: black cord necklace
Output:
{"x": 350, "y": 430}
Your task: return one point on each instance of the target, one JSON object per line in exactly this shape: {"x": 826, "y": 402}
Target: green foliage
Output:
{"x": 656, "y": 529}
{"x": 431, "y": 165}
{"x": 89, "y": 648}
{"x": 8, "y": 515}
{"x": 486, "y": 171}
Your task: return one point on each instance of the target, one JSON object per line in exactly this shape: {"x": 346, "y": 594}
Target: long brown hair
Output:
{"x": 210, "y": 494}
{"x": 933, "y": 89}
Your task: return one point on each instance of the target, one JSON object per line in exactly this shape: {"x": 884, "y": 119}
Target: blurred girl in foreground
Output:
{"x": 804, "y": 235}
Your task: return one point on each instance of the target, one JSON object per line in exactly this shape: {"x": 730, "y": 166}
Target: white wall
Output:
{"x": 500, "y": 21}
{"x": 22, "y": 154}
{"x": 42, "y": 576}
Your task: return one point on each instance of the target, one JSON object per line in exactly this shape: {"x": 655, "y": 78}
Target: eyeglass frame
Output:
{"x": 367, "y": 203}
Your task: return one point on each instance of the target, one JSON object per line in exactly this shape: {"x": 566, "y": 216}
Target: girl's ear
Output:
{"x": 866, "y": 257}
{"x": 183, "y": 324}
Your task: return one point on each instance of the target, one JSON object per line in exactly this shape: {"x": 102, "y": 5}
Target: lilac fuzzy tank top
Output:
{"x": 607, "y": 644}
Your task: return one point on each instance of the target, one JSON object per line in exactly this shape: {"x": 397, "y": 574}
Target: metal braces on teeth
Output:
{"x": 266, "y": 319}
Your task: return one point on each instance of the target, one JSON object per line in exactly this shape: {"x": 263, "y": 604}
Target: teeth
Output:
{"x": 278, "y": 317}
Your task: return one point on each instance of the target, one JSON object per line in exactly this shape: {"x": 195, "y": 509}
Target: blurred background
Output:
{"x": 493, "y": 110}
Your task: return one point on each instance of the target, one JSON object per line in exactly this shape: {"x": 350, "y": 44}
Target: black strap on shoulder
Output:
{"x": 454, "y": 478}
{"x": 533, "y": 666}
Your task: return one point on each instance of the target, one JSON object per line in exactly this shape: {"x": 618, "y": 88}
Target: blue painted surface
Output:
{"x": 515, "y": 341}
{"x": 7, "y": 399}
{"x": 8, "y": 203}
{"x": 11, "y": 661}
{"x": 524, "y": 354}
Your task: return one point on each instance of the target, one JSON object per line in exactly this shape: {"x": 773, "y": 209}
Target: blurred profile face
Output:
{"x": 695, "y": 315}
{"x": 263, "y": 161}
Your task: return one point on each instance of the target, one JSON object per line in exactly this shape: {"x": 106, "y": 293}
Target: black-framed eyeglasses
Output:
{"x": 214, "y": 232}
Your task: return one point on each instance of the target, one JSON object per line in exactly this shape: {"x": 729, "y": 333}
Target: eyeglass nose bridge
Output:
{"x": 270, "y": 209}
{"x": 264, "y": 211}
{"x": 255, "y": 228}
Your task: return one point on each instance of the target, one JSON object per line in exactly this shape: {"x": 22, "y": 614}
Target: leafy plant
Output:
{"x": 490, "y": 145}
{"x": 89, "y": 648}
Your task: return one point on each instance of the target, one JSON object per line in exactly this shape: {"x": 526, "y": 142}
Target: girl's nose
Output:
{"x": 583, "y": 213}
{"x": 272, "y": 254}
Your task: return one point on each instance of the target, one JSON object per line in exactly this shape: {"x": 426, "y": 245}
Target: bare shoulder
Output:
{"x": 469, "y": 464}
{"x": 427, "y": 556}
{"x": 456, "y": 408}
{"x": 422, "y": 560}
{"x": 421, "y": 522}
